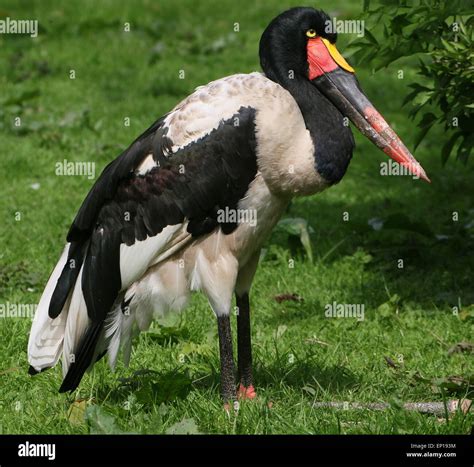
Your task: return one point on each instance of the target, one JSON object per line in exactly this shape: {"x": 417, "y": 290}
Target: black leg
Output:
{"x": 244, "y": 347}
{"x": 227, "y": 359}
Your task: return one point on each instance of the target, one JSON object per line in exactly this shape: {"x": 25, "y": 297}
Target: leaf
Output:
{"x": 361, "y": 256}
{"x": 426, "y": 123}
{"x": 464, "y": 150}
{"x": 385, "y": 310}
{"x": 298, "y": 227}
{"x": 163, "y": 409}
{"x": 376, "y": 223}
{"x": 280, "y": 331}
{"x": 449, "y": 46}
{"x": 448, "y": 147}
{"x": 76, "y": 412}
{"x": 399, "y": 22}
{"x": 417, "y": 89}
{"x": 190, "y": 348}
{"x": 290, "y": 225}
{"x": 187, "y": 426}
{"x": 306, "y": 242}
{"x": 100, "y": 422}
{"x": 370, "y": 37}
{"x": 422, "y": 98}
{"x": 389, "y": 308}
{"x": 394, "y": 299}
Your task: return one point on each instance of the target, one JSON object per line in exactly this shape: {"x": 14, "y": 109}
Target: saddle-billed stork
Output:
{"x": 151, "y": 229}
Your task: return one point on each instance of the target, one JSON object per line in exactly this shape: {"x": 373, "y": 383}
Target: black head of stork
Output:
{"x": 298, "y": 52}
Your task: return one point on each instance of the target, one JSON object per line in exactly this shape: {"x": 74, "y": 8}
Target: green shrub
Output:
{"x": 440, "y": 33}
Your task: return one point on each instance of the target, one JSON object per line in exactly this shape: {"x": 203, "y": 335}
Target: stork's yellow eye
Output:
{"x": 310, "y": 33}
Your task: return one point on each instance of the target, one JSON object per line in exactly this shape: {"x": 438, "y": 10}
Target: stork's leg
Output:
{"x": 227, "y": 359}
{"x": 242, "y": 288}
{"x": 244, "y": 347}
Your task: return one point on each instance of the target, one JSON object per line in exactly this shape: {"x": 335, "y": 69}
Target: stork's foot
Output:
{"x": 246, "y": 392}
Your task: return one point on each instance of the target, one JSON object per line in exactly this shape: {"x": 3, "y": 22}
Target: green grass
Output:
{"x": 408, "y": 312}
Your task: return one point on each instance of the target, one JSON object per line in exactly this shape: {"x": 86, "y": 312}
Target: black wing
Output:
{"x": 193, "y": 183}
